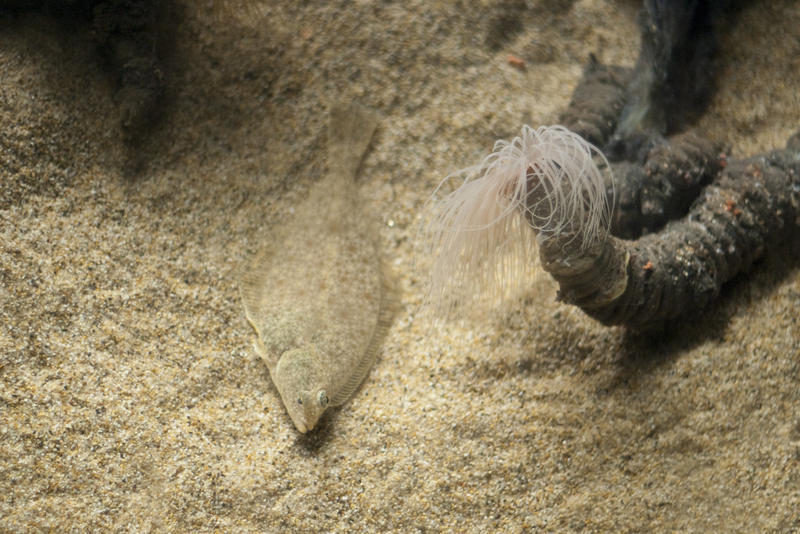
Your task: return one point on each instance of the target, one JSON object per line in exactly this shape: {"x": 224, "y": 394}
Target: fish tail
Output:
{"x": 349, "y": 134}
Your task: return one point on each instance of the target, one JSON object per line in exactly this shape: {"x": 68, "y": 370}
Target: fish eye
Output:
{"x": 323, "y": 398}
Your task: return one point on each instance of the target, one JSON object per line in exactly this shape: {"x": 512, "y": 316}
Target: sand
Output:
{"x": 131, "y": 399}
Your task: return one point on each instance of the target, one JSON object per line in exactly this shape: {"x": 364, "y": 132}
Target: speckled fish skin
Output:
{"x": 315, "y": 293}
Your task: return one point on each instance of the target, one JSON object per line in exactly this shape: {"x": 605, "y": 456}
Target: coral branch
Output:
{"x": 662, "y": 189}
{"x": 597, "y": 102}
{"x": 754, "y": 203}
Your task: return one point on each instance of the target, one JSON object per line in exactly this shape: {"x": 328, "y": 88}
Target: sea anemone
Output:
{"x": 547, "y": 180}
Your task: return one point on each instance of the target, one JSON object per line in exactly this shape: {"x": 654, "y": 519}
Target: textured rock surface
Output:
{"x": 130, "y": 398}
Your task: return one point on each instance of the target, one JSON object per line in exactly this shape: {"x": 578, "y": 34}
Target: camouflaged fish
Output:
{"x": 315, "y": 292}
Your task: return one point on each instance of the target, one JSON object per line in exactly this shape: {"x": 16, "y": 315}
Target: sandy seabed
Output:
{"x": 130, "y": 397}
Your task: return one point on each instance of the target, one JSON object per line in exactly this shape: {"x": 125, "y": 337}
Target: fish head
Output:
{"x": 300, "y": 379}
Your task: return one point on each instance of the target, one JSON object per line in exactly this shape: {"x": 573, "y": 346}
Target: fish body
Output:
{"x": 315, "y": 291}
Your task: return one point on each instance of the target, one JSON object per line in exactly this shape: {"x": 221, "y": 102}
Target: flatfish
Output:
{"x": 315, "y": 292}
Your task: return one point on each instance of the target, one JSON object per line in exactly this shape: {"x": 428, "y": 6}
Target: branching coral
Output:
{"x": 129, "y": 40}
{"x": 712, "y": 217}
{"x": 549, "y": 178}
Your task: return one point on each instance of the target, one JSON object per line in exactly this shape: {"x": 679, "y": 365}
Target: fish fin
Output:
{"x": 350, "y": 131}
{"x": 251, "y": 290}
{"x": 390, "y": 303}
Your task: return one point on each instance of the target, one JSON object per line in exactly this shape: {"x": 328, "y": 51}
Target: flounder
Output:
{"x": 315, "y": 293}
